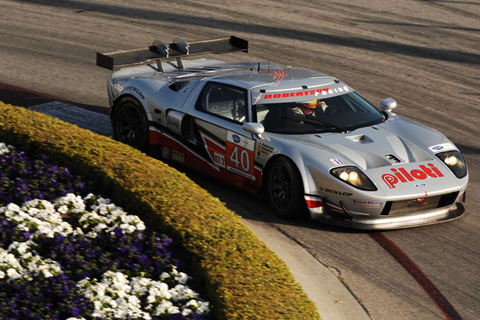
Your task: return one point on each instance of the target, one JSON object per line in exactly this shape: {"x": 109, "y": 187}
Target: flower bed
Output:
{"x": 80, "y": 257}
{"x": 241, "y": 277}
{"x": 24, "y": 178}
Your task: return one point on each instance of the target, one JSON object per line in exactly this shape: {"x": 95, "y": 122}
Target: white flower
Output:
{"x": 9, "y": 211}
{"x": 117, "y": 295}
{"x": 114, "y": 295}
{"x": 73, "y": 203}
{"x": 20, "y": 247}
{"x": 29, "y": 263}
{"x": 37, "y": 217}
{"x": 13, "y": 274}
{"x": 4, "y": 148}
{"x": 164, "y": 308}
{"x": 9, "y": 265}
{"x": 62, "y": 209}
{"x": 203, "y": 307}
{"x": 181, "y": 277}
{"x": 192, "y": 303}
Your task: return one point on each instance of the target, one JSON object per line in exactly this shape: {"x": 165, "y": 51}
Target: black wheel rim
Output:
{"x": 130, "y": 127}
{"x": 281, "y": 186}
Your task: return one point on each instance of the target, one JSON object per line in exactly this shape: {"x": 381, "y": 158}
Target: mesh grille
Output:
{"x": 419, "y": 204}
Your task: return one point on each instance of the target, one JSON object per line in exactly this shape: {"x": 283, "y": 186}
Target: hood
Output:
{"x": 390, "y": 159}
{"x": 374, "y": 147}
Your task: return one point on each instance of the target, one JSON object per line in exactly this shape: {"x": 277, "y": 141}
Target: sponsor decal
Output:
{"x": 219, "y": 159}
{"x": 165, "y": 152}
{"x": 367, "y": 204}
{"x": 442, "y": 147}
{"x": 336, "y": 161}
{"x": 239, "y": 155}
{"x": 264, "y": 149}
{"x": 215, "y": 151}
{"x": 279, "y": 76}
{"x": 402, "y": 175}
{"x": 256, "y": 96}
{"x": 305, "y": 93}
{"x": 178, "y": 156}
{"x": 173, "y": 123}
{"x": 338, "y": 193}
{"x": 244, "y": 182}
{"x": 136, "y": 90}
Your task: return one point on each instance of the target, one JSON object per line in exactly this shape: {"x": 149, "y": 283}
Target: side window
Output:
{"x": 224, "y": 101}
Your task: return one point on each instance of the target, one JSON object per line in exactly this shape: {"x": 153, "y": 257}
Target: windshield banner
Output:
{"x": 295, "y": 95}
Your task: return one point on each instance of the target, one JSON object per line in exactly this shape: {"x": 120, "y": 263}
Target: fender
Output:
{"x": 131, "y": 93}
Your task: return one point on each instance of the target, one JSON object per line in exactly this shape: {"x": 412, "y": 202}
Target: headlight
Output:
{"x": 455, "y": 161}
{"x": 353, "y": 176}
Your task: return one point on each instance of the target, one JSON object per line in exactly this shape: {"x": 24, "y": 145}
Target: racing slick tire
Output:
{"x": 285, "y": 189}
{"x": 130, "y": 124}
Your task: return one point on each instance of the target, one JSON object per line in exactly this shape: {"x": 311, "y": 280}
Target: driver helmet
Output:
{"x": 310, "y": 104}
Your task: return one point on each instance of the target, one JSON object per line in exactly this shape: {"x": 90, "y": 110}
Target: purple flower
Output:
{"x": 24, "y": 177}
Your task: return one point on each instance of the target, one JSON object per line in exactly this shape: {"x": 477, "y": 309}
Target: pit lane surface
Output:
{"x": 425, "y": 54}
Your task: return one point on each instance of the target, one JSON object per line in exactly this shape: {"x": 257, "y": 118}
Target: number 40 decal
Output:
{"x": 244, "y": 161}
{"x": 240, "y": 155}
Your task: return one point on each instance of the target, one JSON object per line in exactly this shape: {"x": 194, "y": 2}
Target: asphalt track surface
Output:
{"x": 425, "y": 54}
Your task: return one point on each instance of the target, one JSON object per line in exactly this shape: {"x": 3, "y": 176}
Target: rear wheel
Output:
{"x": 130, "y": 124}
{"x": 285, "y": 189}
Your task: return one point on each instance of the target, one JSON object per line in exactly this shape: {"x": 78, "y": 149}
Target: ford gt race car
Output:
{"x": 305, "y": 138}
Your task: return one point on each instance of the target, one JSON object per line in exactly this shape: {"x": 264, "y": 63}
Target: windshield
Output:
{"x": 336, "y": 114}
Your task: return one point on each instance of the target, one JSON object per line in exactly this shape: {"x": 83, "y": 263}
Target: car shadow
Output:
{"x": 254, "y": 207}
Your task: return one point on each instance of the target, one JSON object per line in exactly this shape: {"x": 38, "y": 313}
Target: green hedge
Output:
{"x": 241, "y": 277}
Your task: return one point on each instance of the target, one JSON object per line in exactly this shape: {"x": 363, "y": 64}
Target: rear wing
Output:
{"x": 160, "y": 52}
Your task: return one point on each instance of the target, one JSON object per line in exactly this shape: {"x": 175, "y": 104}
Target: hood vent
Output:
{"x": 360, "y": 138}
{"x": 392, "y": 158}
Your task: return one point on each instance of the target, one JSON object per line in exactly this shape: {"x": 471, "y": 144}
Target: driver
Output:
{"x": 310, "y": 108}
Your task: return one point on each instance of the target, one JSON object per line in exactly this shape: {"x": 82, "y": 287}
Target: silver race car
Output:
{"x": 305, "y": 138}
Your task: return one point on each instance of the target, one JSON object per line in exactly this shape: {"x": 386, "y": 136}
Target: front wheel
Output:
{"x": 130, "y": 124}
{"x": 285, "y": 189}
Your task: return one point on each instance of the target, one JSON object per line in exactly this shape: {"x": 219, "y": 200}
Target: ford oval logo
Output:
{"x": 236, "y": 138}
{"x": 437, "y": 148}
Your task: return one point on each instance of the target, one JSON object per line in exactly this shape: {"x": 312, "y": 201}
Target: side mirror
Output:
{"x": 254, "y": 127}
{"x": 388, "y": 104}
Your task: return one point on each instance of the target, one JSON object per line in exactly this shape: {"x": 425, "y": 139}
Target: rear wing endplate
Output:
{"x": 160, "y": 52}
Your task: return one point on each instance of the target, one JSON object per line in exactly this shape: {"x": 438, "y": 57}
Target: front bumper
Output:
{"x": 394, "y": 215}
{"x": 399, "y": 222}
